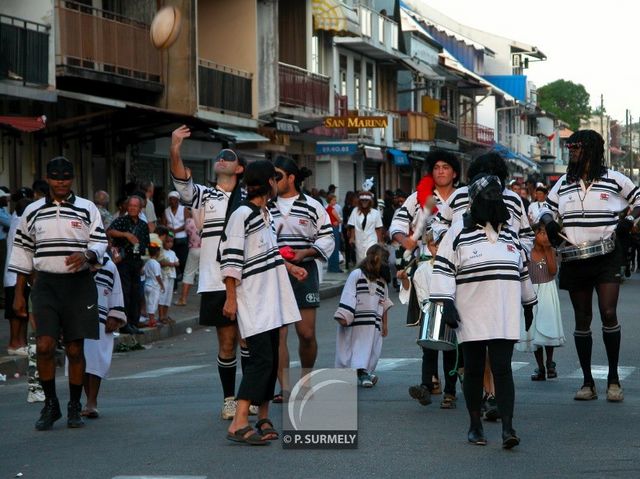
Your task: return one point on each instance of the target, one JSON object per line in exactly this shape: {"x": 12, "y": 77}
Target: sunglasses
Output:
{"x": 573, "y": 146}
{"x": 278, "y": 176}
{"x": 227, "y": 155}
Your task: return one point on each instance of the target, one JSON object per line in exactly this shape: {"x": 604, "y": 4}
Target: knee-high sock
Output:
{"x": 227, "y": 371}
{"x": 244, "y": 357}
{"x": 584, "y": 343}
{"x": 611, "y": 338}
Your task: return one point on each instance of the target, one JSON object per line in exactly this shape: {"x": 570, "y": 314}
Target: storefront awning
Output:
{"x": 517, "y": 159}
{"x": 373, "y": 153}
{"x": 422, "y": 68}
{"x": 238, "y": 136}
{"x": 400, "y": 158}
{"x": 335, "y": 16}
{"x": 25, "y": 124}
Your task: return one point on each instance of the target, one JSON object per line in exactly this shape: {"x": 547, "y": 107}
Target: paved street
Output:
{"x": 159, "y": 418}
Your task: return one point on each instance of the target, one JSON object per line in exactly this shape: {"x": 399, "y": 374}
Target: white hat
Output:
{"x": 174, "y": 194}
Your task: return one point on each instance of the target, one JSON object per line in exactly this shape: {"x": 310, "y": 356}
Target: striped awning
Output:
{"x": 335, "y": 16}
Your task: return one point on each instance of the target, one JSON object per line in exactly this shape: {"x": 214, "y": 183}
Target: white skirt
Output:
{"x": 546, "y": 329}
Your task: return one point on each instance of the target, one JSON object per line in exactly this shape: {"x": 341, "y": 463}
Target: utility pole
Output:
{"x": 602, "y": 115}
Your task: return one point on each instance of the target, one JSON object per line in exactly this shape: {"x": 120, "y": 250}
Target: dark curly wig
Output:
{"x": 490, "y": 164}
{"x": 591, "y": 160}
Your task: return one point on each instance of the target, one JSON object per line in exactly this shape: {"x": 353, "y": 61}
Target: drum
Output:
{"x": 587, "y": 250}
{"x": 434, "y": 333}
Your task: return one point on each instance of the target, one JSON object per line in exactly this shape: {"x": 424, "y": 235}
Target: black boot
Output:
{"x": 476, "y": 433}
{"x": 73, "y": 414}
{"x": 50, "y": 413}
{"x": 509, "y": 438}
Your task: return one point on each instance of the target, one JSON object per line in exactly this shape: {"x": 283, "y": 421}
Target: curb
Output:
{"x": 10, "y": 365}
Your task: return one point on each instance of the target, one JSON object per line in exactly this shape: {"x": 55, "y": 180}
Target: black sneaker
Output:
{"x": 73, "y": 414}
{"x": 50, "y": 413}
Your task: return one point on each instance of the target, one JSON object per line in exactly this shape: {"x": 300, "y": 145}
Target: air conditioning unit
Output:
{"x": 516, "y": 60}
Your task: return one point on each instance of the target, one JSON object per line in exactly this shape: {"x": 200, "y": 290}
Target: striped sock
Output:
{"x": 227, "y": 371}
{"x": 584, "y": 343}
{"x": 244, "y": 357}
{"x": 611, "y": 338}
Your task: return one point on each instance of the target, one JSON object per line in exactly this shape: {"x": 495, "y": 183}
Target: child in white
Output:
{"x": 169, "y": 262}
{"x": 362, "y": 316}
{"x": 546, "y": 330}
{"x": 153, "y": 285}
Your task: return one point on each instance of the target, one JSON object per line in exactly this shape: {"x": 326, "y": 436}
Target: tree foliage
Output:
{"x": 566, "y": 100}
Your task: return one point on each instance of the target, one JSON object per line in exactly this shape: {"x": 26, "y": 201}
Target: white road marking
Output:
{"x": 389, "y": 364}
{"x": 601, "y": 372}
{"x": 156, "y": 373}
{"x": 160, "y": 477}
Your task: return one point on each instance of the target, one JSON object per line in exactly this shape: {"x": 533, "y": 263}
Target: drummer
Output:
{"x": 589, "y": 200}
{"x": 481, "y": 264}
{"x": 445, "y": 169}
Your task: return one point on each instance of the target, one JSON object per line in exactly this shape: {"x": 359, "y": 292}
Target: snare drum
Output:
{"x": 587, "y": 250}
{"x": 434, "y": 332}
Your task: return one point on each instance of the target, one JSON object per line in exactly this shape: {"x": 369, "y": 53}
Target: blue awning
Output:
{"x": 400, "y": 158}
{"x": 517, "y": 159}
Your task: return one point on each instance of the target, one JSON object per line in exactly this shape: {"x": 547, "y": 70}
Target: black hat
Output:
{"x": 441, "y": 155}
{"x": 23, "y": 192}
{"x": 59, "y": 168}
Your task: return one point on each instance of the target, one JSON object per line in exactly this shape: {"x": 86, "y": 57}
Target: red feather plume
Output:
{"x": 425, "y": 189}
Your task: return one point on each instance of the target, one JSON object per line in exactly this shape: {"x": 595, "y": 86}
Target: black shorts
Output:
{"x": 9, "y": 295}
{"x": 67, "y": 303}
{"x": 307, "y": 292}
{"x": 587, "y": 273}
{"x": 211, "y": 304}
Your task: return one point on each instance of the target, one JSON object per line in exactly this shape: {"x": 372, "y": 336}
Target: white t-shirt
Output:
{"x": 285, "y": 204}
{"x": 152, "y": 270}
{"x": 169, "y": 271}
{"x": 367, "y": 237}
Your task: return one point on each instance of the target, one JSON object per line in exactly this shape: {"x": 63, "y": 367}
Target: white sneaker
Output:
{"x": 229, "y": 408}
{"x": 37, "y": 395}
{"x": 253, "y": 410}
{"x": 614, "y": 393}
{"x": 21, "y": 351}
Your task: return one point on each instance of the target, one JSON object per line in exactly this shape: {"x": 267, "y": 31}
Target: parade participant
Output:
{"x": 98, "y": 354}
{"x": 588, "y": 200}
{"x": 253, "y": 270}
{"x": 303, "y": 224}
{"x": 58, "y": 238}
{"x": 362, "y": 316}
{"x": 445, "y": 170}
{"x": 546, "y": 332}
{"x": 365, "y": 226}
{"x": 536, "y": 206}
{"x": 481, "y": 279}
{"x": 130, "y": 234}
{"x": 453, "y": 210}
{"x": 175, "y": 216}
{"x": 212, "y": 206}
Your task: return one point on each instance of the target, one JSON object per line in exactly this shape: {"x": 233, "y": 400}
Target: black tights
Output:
{"x": 607, "y": 302}
{"x": 430, "y": 369}
{"x": 500, "y": 352}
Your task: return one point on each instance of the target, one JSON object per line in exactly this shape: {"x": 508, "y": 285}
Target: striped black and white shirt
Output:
{"x": 306, "y": 225}
{"x": 50, "y": 231}
{"x": 458, "y": 203}
{"x": 209, "y": 208}
{"x": 485, "y": 273}
{"x": 250, "y": 254}
{"x": 405, "y": 218}
{"x": 591, "y": 213}
{"x": 110, "y": 296}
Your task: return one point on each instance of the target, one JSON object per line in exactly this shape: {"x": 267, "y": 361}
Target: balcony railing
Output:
{"x": 102, "y": 41}
{"x": 301, "y": 88}
{"x": 378, "y": 28}
{"x": 24, "y": 51}
{"x": 224, "y": 89}
{"x": 418, "y": 126}
{"x": 476, "y": 133}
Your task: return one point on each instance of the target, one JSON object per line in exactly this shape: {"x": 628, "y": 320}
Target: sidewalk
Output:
{"x": 184, "y": 316}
